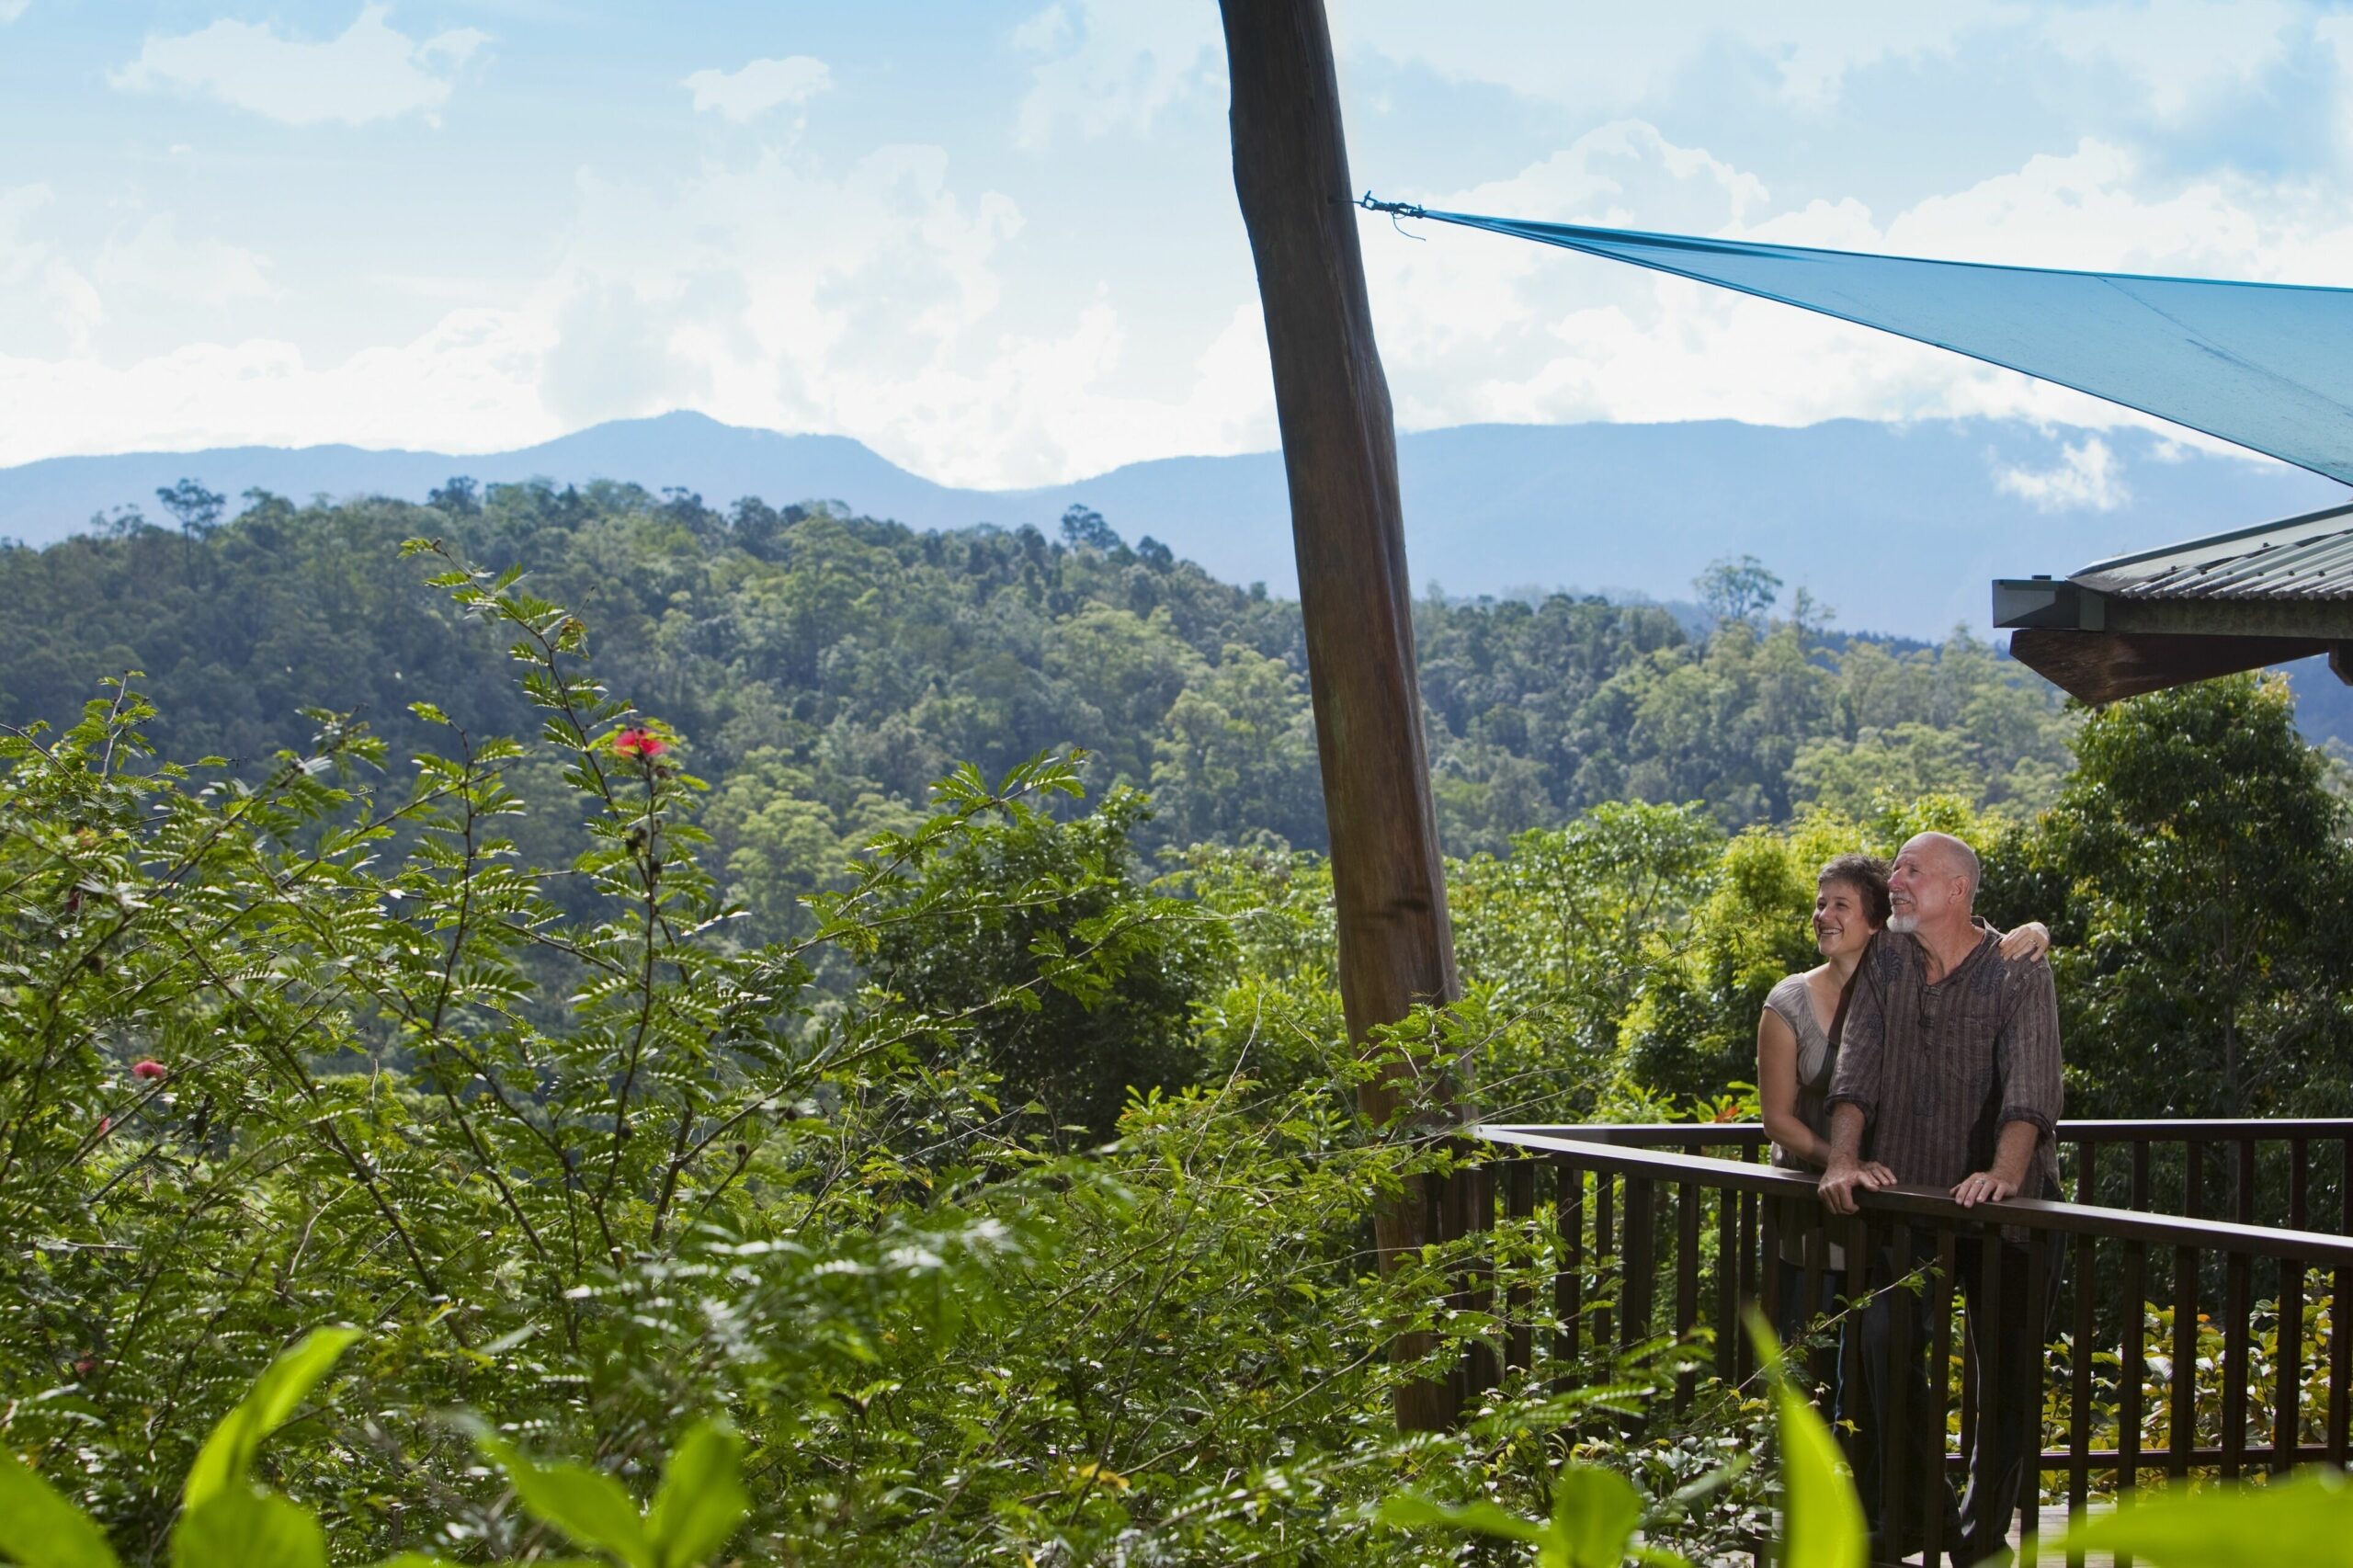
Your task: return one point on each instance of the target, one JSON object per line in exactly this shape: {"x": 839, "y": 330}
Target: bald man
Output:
{"x": 1949, "y": 1078}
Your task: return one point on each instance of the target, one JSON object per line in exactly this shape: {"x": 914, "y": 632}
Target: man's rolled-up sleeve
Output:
{"x": 1862, "y": 1046}
{"x": 2027, "y": 1053}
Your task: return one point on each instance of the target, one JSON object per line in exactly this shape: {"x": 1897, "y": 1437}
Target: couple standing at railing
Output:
{"x": 1924, "y": 1051}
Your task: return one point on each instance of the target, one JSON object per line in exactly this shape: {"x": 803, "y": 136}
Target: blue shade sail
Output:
{"x": 2265, "y": 366}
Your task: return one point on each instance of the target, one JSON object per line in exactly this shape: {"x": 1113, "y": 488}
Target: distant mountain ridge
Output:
{"x": 1898, "y": 529}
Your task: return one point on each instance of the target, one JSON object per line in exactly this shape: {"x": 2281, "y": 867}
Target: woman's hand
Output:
{"x": 2028, "y": 942}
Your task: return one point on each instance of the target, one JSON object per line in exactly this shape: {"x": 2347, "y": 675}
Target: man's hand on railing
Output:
{"x": 1838, "y": 1183}
{"x": 1983, "y": 1187}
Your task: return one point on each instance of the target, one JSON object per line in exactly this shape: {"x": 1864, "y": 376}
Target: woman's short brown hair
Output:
{"x": 1866, "y": 875}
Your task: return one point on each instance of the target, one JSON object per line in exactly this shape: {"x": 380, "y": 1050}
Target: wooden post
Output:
{"x": 1397, "y": 948}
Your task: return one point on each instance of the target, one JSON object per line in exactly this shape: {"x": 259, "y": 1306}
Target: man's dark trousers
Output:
{"x": 2008, "y": 1396}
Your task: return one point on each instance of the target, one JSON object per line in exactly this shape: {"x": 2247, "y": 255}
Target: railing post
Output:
{"x": 1519, "y": 1206}
{"x": 2182, "y": 1422}
{"x": 1605, "y": 1253}
{"x": 1985, "y": 1319}
{"x": 2079, "y": 1352}
{"x": 1472, "y": 1187}
{"x": 2288, "y": 1376}
{"x": 1899, "y": 1446}
{"x": 2133, "y": 1373}
{"x": 2031, "y": 1379}
{"x": 1731, "y": 1264}
{"x": 1686, "y": 1282}
{"x": 1638, "y": 1263}
{"x": 2235, "y": 1306}
{"x": 1848, "y": 1352}
{"x": 1934, "y": 1486}
{"x": 1568, "y": 1282}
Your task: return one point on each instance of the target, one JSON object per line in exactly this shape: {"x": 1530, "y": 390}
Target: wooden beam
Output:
{"x": 1397, "y": 948}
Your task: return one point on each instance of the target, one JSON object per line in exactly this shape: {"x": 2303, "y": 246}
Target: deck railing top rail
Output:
{"x": 1606, "y": 1147}
{"x": 1749, "y": 1134}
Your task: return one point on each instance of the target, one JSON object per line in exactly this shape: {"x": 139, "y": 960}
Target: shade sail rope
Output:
{"x": 2264, "y": 366}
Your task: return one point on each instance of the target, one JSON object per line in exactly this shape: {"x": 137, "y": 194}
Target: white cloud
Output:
{"x": 470, "y": 384}
{"x": 1115, "y": 65}
{"x": 755, "y": 88}
{"x": 1599, "y": 58}
{"x": 370, "y": 72}
{"x": 2087, "y": 475}
{"x": 45, "y": 301}
{"x": 2084, "y": 209}
{"x": 154, "y": 258}
{"x": 11, "y": 9}
{"x": 2178, "y": 51}
{"x": 887, "y": 318}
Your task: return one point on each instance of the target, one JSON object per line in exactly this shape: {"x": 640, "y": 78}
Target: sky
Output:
{"x": 998, "y": 243}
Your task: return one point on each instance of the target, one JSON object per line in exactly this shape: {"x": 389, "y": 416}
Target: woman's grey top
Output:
{"x": 1817, "y": 1059}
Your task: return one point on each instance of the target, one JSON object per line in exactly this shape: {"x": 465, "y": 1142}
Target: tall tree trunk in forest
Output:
{"x": 1397, "y": 948}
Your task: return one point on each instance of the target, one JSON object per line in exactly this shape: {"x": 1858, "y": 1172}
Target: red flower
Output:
{"x": 150, "y": 1069}
{"x": 640, "y": 743}
{"x": 106, "y": 1125}
{"x": 84, "y": 1365}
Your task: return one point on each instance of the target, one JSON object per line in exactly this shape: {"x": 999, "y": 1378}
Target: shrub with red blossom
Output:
{"x": 638, "y": 742}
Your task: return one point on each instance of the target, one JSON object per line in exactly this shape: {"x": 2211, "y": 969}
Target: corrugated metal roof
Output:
{"x": 2309, "y": 557}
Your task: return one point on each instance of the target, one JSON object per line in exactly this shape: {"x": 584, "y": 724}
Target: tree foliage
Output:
{"x": 830, "y": 667}
{"x": 2198, "y": 862}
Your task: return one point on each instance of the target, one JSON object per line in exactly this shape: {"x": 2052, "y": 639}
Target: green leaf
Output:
{"x": 39, "y": 1528}
{"x": 1594, "y": 1515}
{"x": 427, "y": 1559}
{"x": 702, "y": 1499}
{"x": 1409, "y": 1512}
{"x": 2306, "y": 1519}
{"x": 586, "y": 1504}
{"x": 220, "y": 1465}
{"x": 244, "y": 1528}
{"x": 1822, "y": 1517}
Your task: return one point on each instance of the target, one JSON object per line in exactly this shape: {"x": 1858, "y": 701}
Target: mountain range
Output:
{"x": 1896, "y": 528}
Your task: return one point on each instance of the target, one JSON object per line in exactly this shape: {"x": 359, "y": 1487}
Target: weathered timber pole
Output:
{"x": 1290, "y": 170}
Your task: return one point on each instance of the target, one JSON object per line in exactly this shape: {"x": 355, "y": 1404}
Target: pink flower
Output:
{"x": 150, "y": 1069}
{"x": 640, "y": 742}
{"x": 106, "y": 1125}
{"x": 86, "y": 1364}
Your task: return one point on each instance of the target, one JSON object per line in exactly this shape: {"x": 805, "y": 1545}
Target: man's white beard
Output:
{"x": 1903, "y": 925}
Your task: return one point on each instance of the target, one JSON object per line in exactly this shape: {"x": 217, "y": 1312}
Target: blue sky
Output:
{"x": 998, "y": 243}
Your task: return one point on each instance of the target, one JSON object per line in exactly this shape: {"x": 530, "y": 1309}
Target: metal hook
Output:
{"x": 1396, "y": 210}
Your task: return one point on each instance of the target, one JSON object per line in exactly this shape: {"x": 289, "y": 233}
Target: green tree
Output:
{"x": 1102, "y": 972}
{"x": 1737, "y": 589}
{"x": 1239, "y": 754}
{"x": 2202, "y": 858}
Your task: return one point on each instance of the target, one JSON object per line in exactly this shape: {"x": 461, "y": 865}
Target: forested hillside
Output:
{"x": 824, "y": 669}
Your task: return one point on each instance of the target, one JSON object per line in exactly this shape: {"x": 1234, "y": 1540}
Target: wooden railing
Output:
{"x": 1665, "y": 1228}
